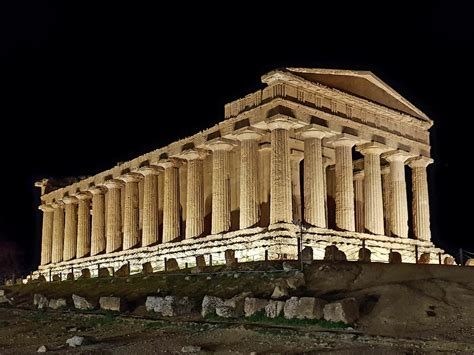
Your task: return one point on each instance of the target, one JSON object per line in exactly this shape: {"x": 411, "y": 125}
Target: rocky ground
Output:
{"x": 404, "y": 309}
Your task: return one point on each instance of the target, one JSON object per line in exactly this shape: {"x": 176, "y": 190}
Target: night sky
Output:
{"x": 84, "y": 86}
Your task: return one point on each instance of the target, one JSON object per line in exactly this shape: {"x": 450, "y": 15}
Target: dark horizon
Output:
{"x": 86, "y": 87}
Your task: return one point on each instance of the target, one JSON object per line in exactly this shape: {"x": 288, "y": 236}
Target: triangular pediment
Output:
{"x": 363, "y": 84}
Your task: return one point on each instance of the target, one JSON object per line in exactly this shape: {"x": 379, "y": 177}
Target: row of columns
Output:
{"x": 70, "y": 234}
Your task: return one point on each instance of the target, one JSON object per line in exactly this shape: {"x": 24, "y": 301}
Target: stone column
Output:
{"x": 296, "y": 200}
{"x": 194, "y": 194}
{"x": 58, "y": 231}
{"x": 114, "y": 216}
{"x": 171, "y": 216}
{"x": 373, "y": 202}
{"x": 264, "y": 164}
{"x": 280, "y": 175}
{"x": 421, "y": 205}
{"x": 359, "y": 201}
{"x": 386, "y": 192}
{"x": 345, "y": 219}
{"x": 150, "y": 205}
{"x": 249, "y": 198}
{"x": 314, "y": 178}
{"x": 98, "y": 220}
{"x": 83, "y": 225}
{"x": 131, "y": 232}
{"x": 47, "y": 233}
{"x": 220, "y": 186}
{"x": 70, "y": 228}
{"x": 398, "y": 194}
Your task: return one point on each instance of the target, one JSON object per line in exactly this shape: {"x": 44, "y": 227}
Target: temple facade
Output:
{"x": 335, "y": 157}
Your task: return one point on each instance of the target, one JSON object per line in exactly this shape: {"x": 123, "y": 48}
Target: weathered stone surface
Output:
{"x": 233, "y": 307}
{"x": 85, "y": 274}
{"x": 253, "y": 305}
{"x": 279, "y": 292}
{"x": 56, "y": 277}
{"x": 200, "y": 261}
{"x": 70, "y": 276}
{"x": 291, "y": 308}
{"x": 169, "y": 306}
{"x": 81, "y": 303}
{"x": 296, "y": 281}
{"x": 287, "y": 266}
{"x": 364, "y": 255}
{"x": 469, "y": 262}
{"x": 394, "y": 258}
{"x": 190, "y": 349}
{"x": 424, "y": 258}
{"x": 40, "y": 301}
{"x": 57, "y": 303}
{"x": 449, "y": 261}
{"x": 307, "y": 254}
{"x": 230, "y": 258}
{"x": 111, "y": 304}
{"x": 124, "y": 271}
{"x": 172, "y": 265}
{"x": 209, "y": 305}
{"x": 104, "y": 272}
{"x": 147, "y": 268}
{"x": 42, "y": 349}
{"x": 346, "y": 311}
{"x": 274, "y": 308}
{"x": 76, "y": 341}
{"x": 331, "y": 252}
{"x": 304, "y": 308}
{"x": 2, "y": 292}
{"x": 154, "y": 304}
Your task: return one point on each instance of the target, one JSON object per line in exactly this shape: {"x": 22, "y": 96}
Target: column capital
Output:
{"x": 372, "y": 148}
{"x": 113, "y": 183}
{"x": 192, "y": 154}
{"x": 57, "y": 204}
{"x": 46, "y": 208}
{"x": 68, "y": 200}
{"x": 149, "y": 170}
{"x": 84, "y": 195}
{"x": 248, "y": 133}
{"x": 397, "y": 155}
{"x": 131, "y": 177}
{"x": 314, "y": 131}
{"x": 221, "y": 144}
{"x": 343, "y": 140}
{"x": 420, "y": 162}
{"x": 169, "y": 163}
{"x": 96, "y": 190}
{"x": 282, "y": 122}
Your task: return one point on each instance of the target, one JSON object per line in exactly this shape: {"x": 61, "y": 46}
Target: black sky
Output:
{"x": 85, "y": 85}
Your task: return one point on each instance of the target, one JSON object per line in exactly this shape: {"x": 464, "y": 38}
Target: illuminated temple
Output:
{"x": 334, "y": 156}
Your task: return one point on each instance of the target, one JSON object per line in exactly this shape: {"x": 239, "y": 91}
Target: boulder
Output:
{"x": 296, "y": 281}
{"x": 346, "y": 311}
{"x": 253, "y": 305}
{"x": 341, "y": 256}
{"x": 169, "y": 306}
{"x": 104, "y": 272}
{"x": 147, "y": 268}
{"x": 40, "y": 301}
{"x": 85, "y": 274}
{"x": 230, "y": 259}
{"x": 233, "y": 307}
{"x": 200, "y": 261}
{"x": 274, "y": 308}
{"x": 171, "y": 265}
{"x": 41, "y": 278}
{"x": 81, "y": 303}
{"x": 449, "y": 261}
{"x": 70, "y": 276}
{"x": 78, "y": 341}
{"x": 288, "y": 266}
{"x": 469, "y": 262}
{"x": 57, "y": 277}
{"x": 307, "y": 254}
{"x": 154, "y": 303}
{"x": 279, "y": 292}
{"x": 330, "y": 253}
{"x": 57, "y": 303}
{"x": 42, "y": 349}
{"x": 190, "y": 349}
{"x": 111, "y": 304}
{"x": 304, "y": 308}
{"x": 394, "y": 258}
{"x": 124, "y": 271}
{"x": 2, "y": 292}
{"x": 424, "y": 258}
{"x": 364, "y": 255}
{"x": 209, "y": 305}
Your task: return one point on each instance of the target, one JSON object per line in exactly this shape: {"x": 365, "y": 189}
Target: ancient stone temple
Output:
{"x": 336, "y": 157}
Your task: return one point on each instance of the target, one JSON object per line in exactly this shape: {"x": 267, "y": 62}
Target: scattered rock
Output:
{"x": 111, "y": 304}
{"x": 233, "y": 307}
{"x": 57, "y": 277}
{"x": 169, "y": 306}
{"x": 346, "y": 311}
{"x": 469, "y": 262}
{"x": 200, "y": 261}
{"x": 4, "y": 299}
{"x": 279, "y": 292}
{"x": 364, "y": 255}
{"x": 124, "y": 271}
{"x": 287, "y": 266}
{"x": 230, "y": 259}
{"x": 296, "y": 281}
{"x": 209, "y": 305}
{"x": 104, "y": 272}
{"x": 307, "y": 254}
{"x": 190, "y": 349}
{"x": 40, "y": 301}
{"x": 304, "y": 308}
{"x": 253, "y": 305}
{"x": 41, "y": 278}
{"x": 147, "y": 268}
{"x": 85, "y": 274}
{"x": 394, "y": 258}
{"x": 154, "y": 304}
{"x": 79, "y": 341}
{"x": 274, "y": 308}
{"x": 424, "y": 258}
{"x": 171, "y": 265}
{"x": 57, "y": 303}
{"x": 187, "y": 278}
{"x": 449, "y": 261}
{"x": 42, "y": 349}
{"x": 81, "y": 303}
{"x": 2, "y": 292}
{"x": 70, "y": 276}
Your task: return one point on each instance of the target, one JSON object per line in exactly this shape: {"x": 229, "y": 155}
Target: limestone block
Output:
{"x": 330, "y": 253}
{"x": 81, "y": 303}
{"x": 154, "y": 304}
{"x": 41, "y": 278}
{"x": 279, "y": 292}
{"x": 341, "y": 256}
{"x": 346, "y": 311}
{"x": 200, "y": 261}
{"x": 70, "y": 276}
{"x": 111, "y": 304}
{"x": 304, "y": 308}
{"x": 172, "y": 265}
{"x": 296, "y": 281}
{"x": 124, "y": 271}
{"x": 470, "y": 262}
{"x": 104, "y": 272}
{"x": 291, "y": 308}
{"x": 209, "y": 305}
{"x": 147, "y": 268}
{"x": 307, "y": 254}
{"x": 394, "y": 258}
{"x": 364, "y": 255}
{"x": 2, "y": 292}
{"x": 40, "y": 301}
{"x": 424, "y": 258}
{"x": 449, "y": 261}
{"x": 274, "y": 308}
{"x": 57, "y": 303}
{"x": 85, "y": 274}
{"x": 233, "y": 307}
{"x": 169, "y": 306}
{"x": 230, "y": 258}
{"x": 253, "y": 305}
{"x": 57, "y": 277}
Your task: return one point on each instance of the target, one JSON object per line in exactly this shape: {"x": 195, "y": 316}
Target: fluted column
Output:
{"x": 314, "y": 178}
{"x": 47, "y": 233}
{"x": 114, "y": 216}
{"x": 398, "y": 194}
{"x": 194, "y": 193}
{"x": 249, "y": 183}
{"x": 296, "y": 199}
{"x": 264, "y": 164}
{"x": 359, "y": 201}
{"x": 98, "y": 241}
{"x": 58, "y": 232}
{"x": 150, "y": 205}
{"x": 373, "y": 202}
{"x": 421, "y": 204}
{"x": 220, "y": 186}
{"x": 83, "y": 225}
{"x": 70, "y": 228}
{"x": 386, "y": 196}
{"x": 280, "y": 175}
{"x": 345, "y": 216}
{"x": 171, "y": 216}
{"x": 131, "y": 232}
